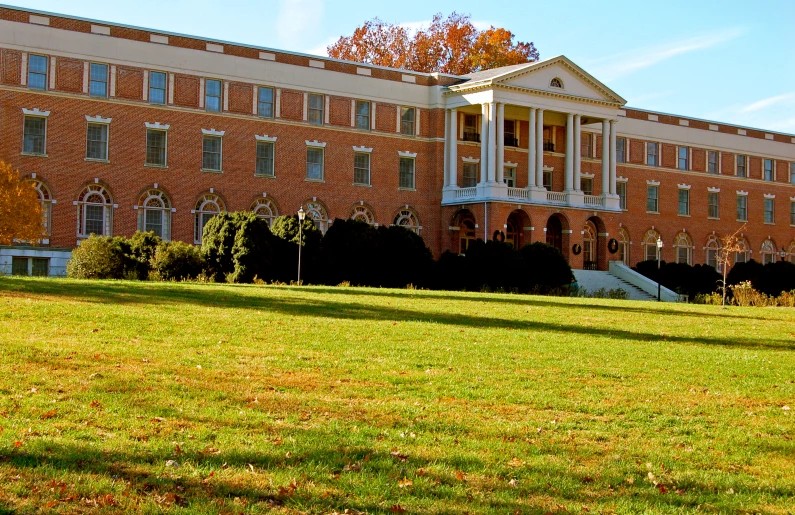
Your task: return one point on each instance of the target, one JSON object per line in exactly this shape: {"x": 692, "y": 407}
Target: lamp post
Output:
{"x": 659, "y": 253}
{"x": 301, "y": 216}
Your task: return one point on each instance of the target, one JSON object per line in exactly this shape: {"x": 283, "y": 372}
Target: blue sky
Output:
{"x": 726, "y": 60}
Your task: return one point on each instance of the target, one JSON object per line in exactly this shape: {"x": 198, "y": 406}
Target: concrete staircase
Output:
{"x": 592, "y": 280}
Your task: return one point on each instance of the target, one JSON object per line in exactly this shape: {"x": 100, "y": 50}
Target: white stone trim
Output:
{"x": 769, "y": 136}
{"x": 112, "y": 81}
{"x": 713, "y": 127}
{"x": 100, "y": 29}
{"x": 265, "y": 137}
{"x": 212, "y": 47}
{"x": 213, "y": 132}
{"x": 407, "y": 154}
{"x": 226, "y": 95}
{"x": 683, "y": 186}
{"x": 621, "y": 179}
{"x": 653, "y": 118}
{"x": 791, "y": 198}
{"x": 586, "y": 175}
{"x": 713, "y": 190}
{"x": 769, "y": 196}
{"x": 156, "y": 38}
{"x": 145, "y": 91}
{"x": 742, "y": 193}
{"x": 39, "y": 20}
{"x": 315, "y": 143}
{"x": 86, "y": 65}
{"x": 622, "y": 112}
{"x": 171, "y": 88}
{"x": 51, "y": 78}
{"x": 267, "y": 56}
{"x": 363, "y": 149}
{"x": 98, "y": 119}
{"x": 741, "y": 132}
{"x": 509, "y": 164}
{"x": 278, "y": 113}
{"x": 470, "y": 160}
{"x": 316, "y": 64}
{"x": 652, "y": 182}
{"x": 35, "y": 112}
{"x": 684, "y": 123}
{"x": 367, "y": 72}
{"x": 408, "y": 78}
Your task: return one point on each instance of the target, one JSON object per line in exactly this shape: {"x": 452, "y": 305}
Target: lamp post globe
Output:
{"x": 659, "y": 253}
{"x": 301, "y": 216}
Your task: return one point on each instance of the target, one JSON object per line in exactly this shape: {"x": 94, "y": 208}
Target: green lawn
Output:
{"x": 164, "y": 397}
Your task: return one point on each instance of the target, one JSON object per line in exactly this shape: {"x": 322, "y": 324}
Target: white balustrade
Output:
{"x": 465, "y": 192}
{"x": 518, "y": 193}
{"x": 593, "y": 200}
{"x": 556, "y": 196}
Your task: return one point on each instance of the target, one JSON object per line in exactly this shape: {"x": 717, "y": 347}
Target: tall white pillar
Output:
{"x": 531, "y": 150}
{"x": 577, "y": 153}
{"x": 452, "y": 160}
{"x": 569, "y": 152}
{"x": 492, "y": 177}
{"x": 500, "y": 142}
{"x": 540, "y": 147}
{"x": 613, "y": 189}
{"x": 606, "y": 137}
{"x": 446, "y": 146}
{"x": 484, "y": 142}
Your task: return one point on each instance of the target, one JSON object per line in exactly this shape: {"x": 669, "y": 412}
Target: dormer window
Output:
{"x": 556, "y": 83}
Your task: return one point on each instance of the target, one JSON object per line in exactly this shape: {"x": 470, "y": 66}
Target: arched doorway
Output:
{"x": 589, "y": 247}
{"x": 555, "y": 232}
{"x": 515, "y": 229}
{"x": 464, "y": 220}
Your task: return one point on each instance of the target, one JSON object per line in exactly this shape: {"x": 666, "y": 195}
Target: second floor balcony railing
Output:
{"x": 471, "y": 136}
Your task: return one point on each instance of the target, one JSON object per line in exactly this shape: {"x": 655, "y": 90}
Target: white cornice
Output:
{"x": 471, "y": 160}
{"x": 265, "y": 137}
{"x": 406, "y": 154}
{"x": 366, "y": 150}
{"x": 98, "y": 119}
{"x": 212, "y": 132}
{"x": 315, "y": 143}
{"x": 157, "y": 125}
{"x": 35, "y": 112}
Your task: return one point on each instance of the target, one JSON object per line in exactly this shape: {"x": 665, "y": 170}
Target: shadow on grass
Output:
{"x": 245, "y": 297}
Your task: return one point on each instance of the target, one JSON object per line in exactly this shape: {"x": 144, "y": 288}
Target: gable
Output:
{"x": 574, "y": 83}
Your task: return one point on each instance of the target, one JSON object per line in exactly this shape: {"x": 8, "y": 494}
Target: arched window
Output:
{"x": 363, "y": 214}
{"x": 684, "y": 248}
{"x": 650, "y": 245}
{"x": 711, "y": 249}
{"x": 791, "y": 253}
{"x": 589, "y": 246}
{"x": 45, "y": 199}
{"x": 768, "y": 252}
{"x": 467, "y": 234}
{"x": 743, "y": 255}
{"x": 266, "y": 209}
{"x": 317, "y": 213}
{"x": 154, "y": 213}
{"x": 556, "y": 83}
{"x": 94, "y": 212}
{"x": 406, "y": 218}
{"x": 207, "y": 207}
{"x": 623, "y": 246}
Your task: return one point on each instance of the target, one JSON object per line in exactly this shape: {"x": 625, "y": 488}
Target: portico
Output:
{"x": 541, "y": 103}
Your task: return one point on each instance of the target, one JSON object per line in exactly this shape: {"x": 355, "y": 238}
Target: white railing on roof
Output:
{"x": 518, "y": 193}
{"x": 556, "y": 196}
{"x": 593, "y": 200}
{"x": 465, "y": 192}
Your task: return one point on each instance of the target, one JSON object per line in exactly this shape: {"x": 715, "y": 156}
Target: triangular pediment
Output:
{"x": 546, "y": 76}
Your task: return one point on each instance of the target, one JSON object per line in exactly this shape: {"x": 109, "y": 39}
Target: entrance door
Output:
{"x": 555, "y": 233}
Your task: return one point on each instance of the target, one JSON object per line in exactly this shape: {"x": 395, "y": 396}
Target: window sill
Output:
{"x": 652, "y": 212}
{"x": 362, "y": 185}
{"x": 265, "y": 176}
{"x": 147, "y": 165}
{"x": 684, "y": 216}
{"x": 742, "y": 221}
{"x": 92, "y": 160}
{"x": 314, "y": 180}
{"x": 208, "y": 170}
{"x": 407, "y": 189}
{"x": 412, "y": 135}
{"x": 32, "y": 154}
{"x": 712, "y": 218}
{"x": 770, "y": 223}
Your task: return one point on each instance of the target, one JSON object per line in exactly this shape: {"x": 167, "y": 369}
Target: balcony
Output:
{"x": 500, "y": 192}
{"x": 471, "y": 136}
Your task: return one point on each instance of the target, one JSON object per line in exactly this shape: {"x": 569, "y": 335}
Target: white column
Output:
{"x": 606, "y": 157}
{"x": 531, "y": 150}
{"x": 453, "y": 159}
{"x": 500, "y": 142}
{"x": 540, "y": 147}
{"x": 577, "y": 152}
{"x": 613, "y": 189}
{"x": 492, "y": 177}
{"x": 484, "y": 141}
{"x": 446, "y": 147}
{"x": 569, "y": 152}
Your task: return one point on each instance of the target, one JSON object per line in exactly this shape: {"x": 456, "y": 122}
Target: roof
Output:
{"x": 494, "y": 72}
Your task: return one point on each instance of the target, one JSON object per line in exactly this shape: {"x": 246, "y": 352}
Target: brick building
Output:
{"x": 124, "y": 128}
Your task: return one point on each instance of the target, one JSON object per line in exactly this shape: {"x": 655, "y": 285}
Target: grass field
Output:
{"x": 187, "y": 398}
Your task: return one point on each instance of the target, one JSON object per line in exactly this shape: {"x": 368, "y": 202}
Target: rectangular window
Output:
{"x": 742, "y": 208}
{"x": 769, "y": 214}
{"x": 683, "y": 255}
{"x": 315, "y": 105}
{"x": 547, "y": 178}
{"x": 651, "y": 154}
{"x": 471, "y": 128}
{"x": 586, "y": 185}
{"x": 212, "y": 95}
{"x": 652, "y": 199}
{"x": 621, "y": 154}
{"x": 95, "y": 219}
{"x": 157, "y": 88}
{"x": 585, "y": 145}
{"x": 211, "y": 153}
{"x": 265, "y": 103}
{"x": 510, "y": 177}
{"x": 510, "y": 133}
{"x": 34, "y": 136}
{"x": 362, "y": 115}
{"x": 621, "y": 188}
{"x": 684, "y": 158}
{"x": 712, "y": 162}
{"x": 153, "y": 221}
{"x": 314, "y": 163}
{"x": 470, "y": 175}
{"x": 97, "y": 141}
{"x": 156, "y": 147}
{"x": 741, "y": 160}
{"x": 19, "y": 266}
{"x": 40, "y": 267}
{"x": 712, "y": 205}
{"x": 792, "y": 213}
{"x": 406, "y": 173}
{"x": 98, "y": 81}
{"x": 407, "y": 121}
{"x": 265, "y": 158}
{"x": 37, "y": 71}
{"x": 768, "y": 169}
{"x": 684, "y": 202}
{"x": 361, "y": 168}
{"x": 792, "y": 173}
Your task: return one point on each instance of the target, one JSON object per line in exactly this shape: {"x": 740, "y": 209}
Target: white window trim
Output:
{"x": 213, "y": 132}
{"x": 509, "y": 164}
{"x": 157, "y": 126}
{"x": 265, "y": 137}
{"x": 363, "y": 150}
{"x": 407, "y": 154}
{"x": 217, "y": 134}
{"x": 742, "y": 193}
{"x": 98, "y": 119}
{"x": 315, "y": 143}
{"x": 35, "y": 112}
{"x": 470, "y": 160}
{"x": 769, "y": 196}
{"x": 683, "y": 186}
{"x": 713, "y": 190}
{"x": 162, "y": 129}
{"x": 650, "y": 182}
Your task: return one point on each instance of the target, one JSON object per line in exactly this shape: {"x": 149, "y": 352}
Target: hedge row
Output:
{"x": 241, "y": 248}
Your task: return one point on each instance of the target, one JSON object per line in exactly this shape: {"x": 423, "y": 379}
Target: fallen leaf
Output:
{"x": 396, "y": 508}
{"x": 398, "y": 455}
{"x": 49, "y": 414}
{"x": 17, "y": 444}
{"x": 459, "y": 475}
{"x": 404, "y": 483}
{"x": 516, "y": 462}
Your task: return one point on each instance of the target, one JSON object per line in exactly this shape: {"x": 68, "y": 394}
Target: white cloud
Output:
{"x": 296, "y": 20}
{"x": 321, "y": 49}
{"x": 625, "y": 63}
{"x": 767, "y": 102}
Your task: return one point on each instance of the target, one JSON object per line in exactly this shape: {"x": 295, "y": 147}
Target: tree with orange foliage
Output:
{"x": 452, "y": 45}
{"x": 20, "y": 210}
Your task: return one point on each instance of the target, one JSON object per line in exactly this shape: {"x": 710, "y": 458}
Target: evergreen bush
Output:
{"x": 97, "y": 257}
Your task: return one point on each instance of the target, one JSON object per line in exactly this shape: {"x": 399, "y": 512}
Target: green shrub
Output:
{"x": 138, "y": 254}
{"x": 286, "y": 228}
{"x": 97, "y": 257}
{"x": 544, "y": 268}
{"x": 177, "y": 261}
